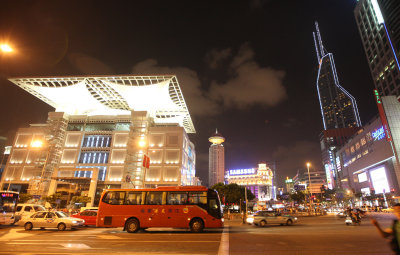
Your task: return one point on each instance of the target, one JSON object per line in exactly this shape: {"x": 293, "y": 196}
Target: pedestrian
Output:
{"x": 393, "y": 232}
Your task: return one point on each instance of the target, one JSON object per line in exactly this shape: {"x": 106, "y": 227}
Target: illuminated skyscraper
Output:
{"x": 338, "y": 107}
{"x": 378, "y": 22}
{"x": 216, "y": 163}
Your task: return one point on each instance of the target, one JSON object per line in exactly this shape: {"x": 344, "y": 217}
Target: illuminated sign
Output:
{"x": 288, "y": 181}
{"x": 242, "y": 171}
{"x": 379, "y": 180}
{"x": 362, "y": 177}
{"x": 7, "y": 194}
{"x": 378, "y": 134}
{"x": 328, "y": 176}
{"x": 338, "y": 165}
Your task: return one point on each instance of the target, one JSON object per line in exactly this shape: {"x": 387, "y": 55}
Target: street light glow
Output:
{"x": 5, "y": 48}
{"x": 142, "y": 143}
{"x": 37, "y": 144}
{"x": 308, "y": 164}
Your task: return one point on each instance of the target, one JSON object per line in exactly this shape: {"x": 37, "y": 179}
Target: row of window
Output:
{"x": 94, "y": 157}
{"x": 155, "y": 198}
{"x": 98, "y": 126}
{"x": 96, "y": 141}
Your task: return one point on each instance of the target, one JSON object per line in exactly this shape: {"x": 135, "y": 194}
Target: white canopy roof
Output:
{"x": 161, "y": 96}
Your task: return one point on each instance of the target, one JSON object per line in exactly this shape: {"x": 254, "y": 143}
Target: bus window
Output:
{"x": 197, "y": 198}
{"x": 114, "y": 197}
{"x": 134, "y": 198}
{"x": 177, "y": 198}
{"x": 154, "y": 198}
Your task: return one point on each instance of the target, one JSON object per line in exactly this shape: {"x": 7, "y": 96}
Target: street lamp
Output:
{"x": 309, "y": 184}
{"x": 6, "y": 48}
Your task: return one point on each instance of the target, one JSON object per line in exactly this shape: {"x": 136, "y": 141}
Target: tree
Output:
{"x": 81, "y": 199}
{"x": 298, "y": 197}
{"x": 24, "y": 197}
{"x": 52, "y": 199}
{"x": 232, "y": 193}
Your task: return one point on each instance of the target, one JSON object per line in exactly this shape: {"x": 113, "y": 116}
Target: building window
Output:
{"x": 363, "y": 141}
{"x": 96, "y": 141}
{"x": 94, "y": 157}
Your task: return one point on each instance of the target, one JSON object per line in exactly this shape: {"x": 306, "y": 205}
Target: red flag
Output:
{"x": 146, "y": 161}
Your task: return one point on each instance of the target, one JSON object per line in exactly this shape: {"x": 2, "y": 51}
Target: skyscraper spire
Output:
{"x": 338, "y": 107}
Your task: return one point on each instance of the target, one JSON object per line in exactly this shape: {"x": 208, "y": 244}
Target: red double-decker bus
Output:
{"x": 194, "y": 207}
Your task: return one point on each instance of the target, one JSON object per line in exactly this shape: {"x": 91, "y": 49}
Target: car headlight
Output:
{"x": 74, "y": 222}
{"x": 295, "y": 218}
{"x": 222, "y": 219}
{"x": 250, "y": 220}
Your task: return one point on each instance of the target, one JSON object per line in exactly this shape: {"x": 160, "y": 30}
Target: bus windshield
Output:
{"x": 8, "y": 201}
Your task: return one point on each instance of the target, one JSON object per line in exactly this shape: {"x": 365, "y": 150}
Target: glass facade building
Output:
{"x": 338, "y": 107}
{"x": 378, "y": 22}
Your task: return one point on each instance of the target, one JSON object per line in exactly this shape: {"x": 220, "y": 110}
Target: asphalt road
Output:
{"x": 311, "y": 235}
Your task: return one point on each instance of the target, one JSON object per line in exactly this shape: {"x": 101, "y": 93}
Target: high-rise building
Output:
{"x": 216, "y": 167}
{"x": 107, "y": 132}
{"x": 378, "y": 22}
{"x": 338, "y": 107}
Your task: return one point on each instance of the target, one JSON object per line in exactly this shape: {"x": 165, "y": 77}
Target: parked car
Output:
{"x": 24, "y": 210}
{"x": 262, "y": 218}
{"x": 92, "y": 208}
{"x": 388, "y": 210}
{"x": 89, "y": 216}
{"x": 48, "y": 219}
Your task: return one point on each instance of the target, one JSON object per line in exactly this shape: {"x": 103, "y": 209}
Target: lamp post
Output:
{"x": 309, "y": 185}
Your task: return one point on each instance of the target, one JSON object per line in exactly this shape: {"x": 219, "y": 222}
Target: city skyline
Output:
{"x": 252, "y": 79}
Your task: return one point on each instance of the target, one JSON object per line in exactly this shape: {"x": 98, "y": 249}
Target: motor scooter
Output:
{"x": 352, "y": 221}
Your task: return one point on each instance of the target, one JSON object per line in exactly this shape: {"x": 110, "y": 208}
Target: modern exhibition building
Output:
{"x": 106, "y": 132}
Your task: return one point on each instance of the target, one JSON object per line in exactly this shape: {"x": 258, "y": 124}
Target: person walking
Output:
{"x": 393, "y": 232}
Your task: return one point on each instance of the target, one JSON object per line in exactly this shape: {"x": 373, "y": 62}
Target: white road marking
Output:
{"x": 75, "y": 246}
{"x": 224, "y": 244}
{"x": 13, "y": 234}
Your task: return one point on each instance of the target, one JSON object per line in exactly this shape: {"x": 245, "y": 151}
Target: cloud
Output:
{"x": 215, "y": 57}
{"x": 89, "y": 65}
{"x": 250, "y": 84}
{"x": 291, "y": 158}
{"x": 189, "y": 82}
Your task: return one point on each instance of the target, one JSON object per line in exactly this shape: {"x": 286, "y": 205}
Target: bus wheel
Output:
{"x": 196, "y": 226}
{"x": 28, "y": 226}
{"x": 132, "y": 226}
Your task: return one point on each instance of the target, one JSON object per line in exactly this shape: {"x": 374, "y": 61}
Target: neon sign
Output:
{"x": 378, "y": 134}
{"x": 242, "y": 171}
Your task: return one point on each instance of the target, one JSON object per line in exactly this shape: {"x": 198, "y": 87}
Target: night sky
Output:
{"x": 247, "y": 68}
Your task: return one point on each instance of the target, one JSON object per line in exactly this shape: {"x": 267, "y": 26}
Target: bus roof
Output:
{"x": 9, "y": 191}
{"x": 167, "y": 188}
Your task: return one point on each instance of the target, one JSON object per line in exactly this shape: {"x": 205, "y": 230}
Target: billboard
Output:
{"x": 379, "y": 180}
{"x": 242, "y": 171}
{"x": 328, "y": 172}
{"x": 362, "y": 177}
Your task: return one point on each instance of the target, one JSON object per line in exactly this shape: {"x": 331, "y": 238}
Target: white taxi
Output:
{"x": 46, "y": 219}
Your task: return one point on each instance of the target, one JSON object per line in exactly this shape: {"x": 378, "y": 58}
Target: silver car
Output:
{"x": 47, "y": 219}
{"x": 262, "y": 218}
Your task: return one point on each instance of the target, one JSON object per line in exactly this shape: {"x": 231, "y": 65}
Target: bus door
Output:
{"x": 152, "y": 209}
{"x": 175, "y": 213}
